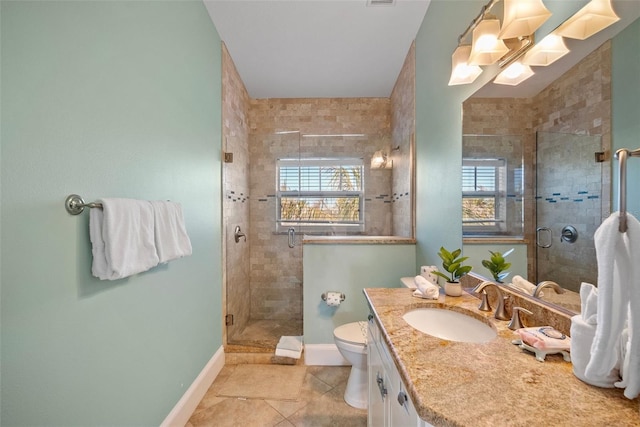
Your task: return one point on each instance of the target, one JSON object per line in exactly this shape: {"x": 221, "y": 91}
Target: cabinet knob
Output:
{"x": 402, "y": 398}
{"x": 370, "y": 317}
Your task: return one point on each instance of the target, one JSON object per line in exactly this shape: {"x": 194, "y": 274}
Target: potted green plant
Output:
{"x": 452, "y": 263}
{"x": 497, "y": 265}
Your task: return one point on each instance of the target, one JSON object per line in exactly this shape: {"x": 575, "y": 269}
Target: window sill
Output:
{"x": 358, "y": 240}
{"x": 494, "y": 239}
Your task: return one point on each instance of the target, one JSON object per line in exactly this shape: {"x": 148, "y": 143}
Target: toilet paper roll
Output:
{"x": 426, "y": 271}
{"x": 333, "y": 299}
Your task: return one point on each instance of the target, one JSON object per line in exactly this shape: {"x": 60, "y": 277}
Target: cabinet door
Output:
{"x": 378, "y": 400}
{"x": 401, "y": 411}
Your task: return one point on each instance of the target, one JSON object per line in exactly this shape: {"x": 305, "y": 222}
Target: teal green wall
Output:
{"x": 625, "y": 100}
{"x": 106, "y": 99}
{"x": 348, "y": 269}
{"x": 439, "y": 128}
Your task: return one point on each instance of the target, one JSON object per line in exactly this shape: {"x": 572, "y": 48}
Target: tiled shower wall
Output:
{"x": 579, "y": 102}
{"x": 235, "y": 205}
{"x": 276, "y": 269}
{"x": 403, "y": 115}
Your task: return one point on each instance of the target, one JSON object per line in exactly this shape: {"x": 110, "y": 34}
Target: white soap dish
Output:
{"x": 540, "y": 353}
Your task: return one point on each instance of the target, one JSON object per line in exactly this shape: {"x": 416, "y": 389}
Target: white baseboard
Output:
{"x": 180, "y": 414}
{"x": 323, "y": 355}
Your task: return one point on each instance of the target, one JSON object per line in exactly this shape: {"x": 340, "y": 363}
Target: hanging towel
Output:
{"x": 582, "y": 334}
{"x": 122, "y": 238}
{"x": 617, "y": 255}
{"x": 425, "y": 289}
{"x": 171, "y": 237}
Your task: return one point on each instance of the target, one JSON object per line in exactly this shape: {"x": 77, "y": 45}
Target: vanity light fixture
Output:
{"x": 547, "y": 51}
{"x": 487, "y": 48}
{"x": 592, "y": 18}
{"x": 522, "y": 18}
{"x": 514, "y": 74}
{"x": 461, "y": 72}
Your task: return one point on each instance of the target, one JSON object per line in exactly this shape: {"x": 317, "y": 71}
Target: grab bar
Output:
{"x": 622, "y": 155}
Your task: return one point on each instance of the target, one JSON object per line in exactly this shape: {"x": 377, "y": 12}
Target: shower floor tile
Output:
{"x": 266, "y": 333}
{"x": 320, "y": 402}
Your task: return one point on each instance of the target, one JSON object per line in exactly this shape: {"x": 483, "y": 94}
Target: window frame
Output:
{"x": 319, "y": 226}
{"x": 498, "y": 194}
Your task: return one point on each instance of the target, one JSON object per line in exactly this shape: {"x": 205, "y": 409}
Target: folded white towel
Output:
{"x": 425, "y": 289}
{"x": 582, "y": 334}
{"x": 524, "y": 285}
{"x": 122, "y": 238}
{"x": 289, "y": 346}
{"x": 615, "y": 278}
{"x": 171, "y": 237}
{"x": 589, "y": 303}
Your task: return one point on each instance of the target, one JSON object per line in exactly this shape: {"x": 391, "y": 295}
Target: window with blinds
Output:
{"x": 483, "y": 195}
{"x": 322, "y": 194}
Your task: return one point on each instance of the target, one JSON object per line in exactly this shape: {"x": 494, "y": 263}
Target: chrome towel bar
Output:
{"x": 622, "y": 155}
{"x": 75, "y": 205}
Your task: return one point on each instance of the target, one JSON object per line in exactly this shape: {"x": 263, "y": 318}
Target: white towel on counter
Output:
{"x": 122, "y": 237}
{"x": 582, "y": 334}
{"x": 524, "y": 285}
{"x": 171, "y": 238}
{"x": 425, "y": 289}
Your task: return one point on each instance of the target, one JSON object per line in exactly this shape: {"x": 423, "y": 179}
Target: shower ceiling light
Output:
{"x": 522, "y": 18}
{"x": 514, "y": 74}
{"x": 486, "y": 47}
{"x": 595, "y": 16}
{"x": 550, "y": 49}
{"x": 461, "y": 71}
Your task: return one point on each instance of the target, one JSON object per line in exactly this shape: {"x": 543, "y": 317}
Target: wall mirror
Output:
{"x": 565, "y": 182}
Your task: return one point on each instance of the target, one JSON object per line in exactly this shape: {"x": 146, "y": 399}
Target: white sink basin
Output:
{"x": 449, "y": 325}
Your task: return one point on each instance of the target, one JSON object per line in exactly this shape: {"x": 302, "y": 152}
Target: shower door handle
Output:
{"x": 538, "y": 231}
{"x": 292, "y": 236}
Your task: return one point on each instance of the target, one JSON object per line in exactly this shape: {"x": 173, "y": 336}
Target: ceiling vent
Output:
{"x": 380, "y": 2}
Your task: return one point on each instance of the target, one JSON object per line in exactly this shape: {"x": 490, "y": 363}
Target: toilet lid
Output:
{"x": 355, "y": 333}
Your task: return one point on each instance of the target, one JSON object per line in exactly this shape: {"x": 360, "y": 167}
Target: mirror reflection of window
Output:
{"x": 483, "y": 196}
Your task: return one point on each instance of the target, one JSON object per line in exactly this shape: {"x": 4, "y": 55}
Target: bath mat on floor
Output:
{"x": 274, "y": 382}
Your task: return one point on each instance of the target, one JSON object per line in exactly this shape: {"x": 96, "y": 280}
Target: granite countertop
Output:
{"x": 490, "y": 384}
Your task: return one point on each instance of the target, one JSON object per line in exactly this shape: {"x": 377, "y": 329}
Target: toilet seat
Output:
{"x": 352, "y": 333}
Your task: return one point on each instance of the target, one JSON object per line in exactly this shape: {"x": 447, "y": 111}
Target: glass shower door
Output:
{"x": 568, "y": 207}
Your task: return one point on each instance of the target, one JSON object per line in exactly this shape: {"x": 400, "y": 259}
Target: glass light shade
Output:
{"x": 379, "y": 160}
{"x": 514, "y": 74}
{"x": 522, "y": 18}
{"x": 595, "y": 16}
{"x": 461, "y": 72}
{"x": 547, "y": 51}
{"x": 487, "y": 48}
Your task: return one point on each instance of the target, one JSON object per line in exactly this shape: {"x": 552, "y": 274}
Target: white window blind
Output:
{"x": 320, "y": 193}
{"x": 483, "y": 195}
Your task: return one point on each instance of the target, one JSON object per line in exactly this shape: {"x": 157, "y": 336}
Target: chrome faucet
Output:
{"x": 500, "y": 313}
{"x": 547, "y": 284}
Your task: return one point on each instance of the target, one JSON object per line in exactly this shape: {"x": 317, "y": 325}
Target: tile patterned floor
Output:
{"x": 320, "y": 404}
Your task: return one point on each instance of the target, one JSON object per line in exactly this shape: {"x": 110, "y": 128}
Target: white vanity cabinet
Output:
{"x": 389, "y": 402}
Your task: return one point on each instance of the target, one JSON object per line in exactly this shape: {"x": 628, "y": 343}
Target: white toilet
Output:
{"x": 351, "y": 340}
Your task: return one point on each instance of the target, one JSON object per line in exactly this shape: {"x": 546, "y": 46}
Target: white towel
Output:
{"x": 582, "y": 334}
{"x": 589, "y": 303}
{"x": 425, "y": 289}
{"x": 122, "y": 238}
{"x": 289, "y": 346}
{"x": 524, "y": 285}
{"x": 615, "y": 278}
{"x": 171, "y": 238}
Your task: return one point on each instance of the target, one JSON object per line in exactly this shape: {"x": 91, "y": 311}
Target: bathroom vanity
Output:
{"x": 431, "y": 381}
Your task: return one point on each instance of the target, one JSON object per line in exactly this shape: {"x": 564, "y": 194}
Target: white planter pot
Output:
{"x": 453, "y": 289}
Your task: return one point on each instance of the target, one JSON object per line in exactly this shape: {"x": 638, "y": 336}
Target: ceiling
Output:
{"x": 317, "y": 48}
{"x": 348, "y": 48}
